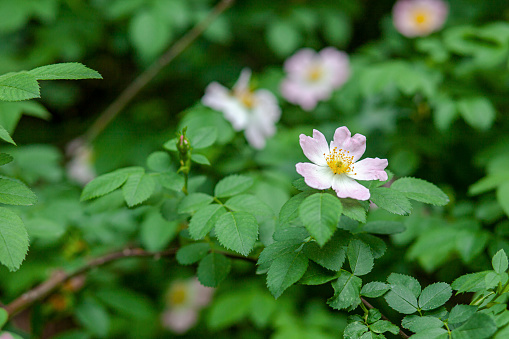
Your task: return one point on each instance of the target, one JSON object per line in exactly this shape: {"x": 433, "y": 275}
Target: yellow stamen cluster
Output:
{"x": 315, "y": 73}
{"x": 178, "y": 294}
{"x": 340, "y": 161}
{"x": 247, "y": 99}
{"x": 421, "y": 17}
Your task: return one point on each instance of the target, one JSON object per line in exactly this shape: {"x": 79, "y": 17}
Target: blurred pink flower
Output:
{"x": 414, "y": 18}
{"x": 337, "y": 166}
{"x": 80, "y": 166}
{"x": 5, "y": 335}
{"x": 254, "y": 112}
{"x": 185, "y": 298}
{"x": 311, "y": 76}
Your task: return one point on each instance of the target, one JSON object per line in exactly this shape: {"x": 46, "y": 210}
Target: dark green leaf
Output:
{"x": 434, "y": 296}
{"x": 278, "y": 249}
{"x": 375, "y": 289}
{"x": 346, "y": 291}
{"x": 461, "y": 313}
{"x": 473, "y": 282}
{"x": 383, "y": 227}
{"x": 237, "y": 231}
{"x": 290, "y": 210}
{"x": 332, "y": 254}
{"x": 204, "y": 220}
{"x": 213, "y": 269}
{"x": 391, "y": 200}
{"x": 317, "y": 275}
{"x": 64, "y": 71}
{"x": 401, "y": 299}
{"x": 320, "y": 214}
{"x": 5, "y": 136}
{"x": 359, "y": 257}
{"x": 432, "y": 333}
{"x": 5, "y": 158}
{"x": 192, "y": 253}
{"x": 404, "y": 280}
{"x": 354, "y": 330}
{"x": 382, "y": 326}
{"x": 418, "y": 324}
{"x": 286, "y": 270}
{"x": 354, "y": 209}
{"x": 479, "y": 326}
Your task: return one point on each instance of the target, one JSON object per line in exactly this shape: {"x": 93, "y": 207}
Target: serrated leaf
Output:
{"x": 138, "y": 188}
{"x": 346, "y": 291}
{"x": 231, "y": 185}
{"x": 104, "y": 184}
{"x": 5, "y": 158}
{"x": 237, "y": 231}
{"x": 156, "y": 232}
{"x": 432, "y": 333}
{"x": 170, "y": 180}
{"x": 213, "y": 269}
{"x": 461, "y": 313}
{"x": 391, "y": 200}
{"x": 64, "y": 71}
{"x": 15, "y": 192}
{"x": 193, "y": 202}
{"x": 285, "y": 271}
{"x": 382, "y": 326}
{"x": 204, "y": 220}
{"x": 320, "y": 215}
{"x": 200, "y": 159}
{"x": 354, "y": 330}
{"x": 317, "y": 275}
{"x": 5, "y": 136}
{"x": 290, "y": 210}
{"x": 377, "y": 245}
{"x": 407, "y": 281}
{"x": 202, "y": 137}
{"x": 418, "y": 324}
{"x": 375, "y": 289}
{"x": 421, "y": 190}
{"x": 278, "y": 249}
{"x": 192, "y": 253}
{"x": 472, "y": 282}
{"x": 383, "y": 227}
{"x": 18, "y": 86}
{"x": 332, "y": 255}
{"x": 354, "y": 209}
{"x": 434, "y": 296}
{"x": 479, "y": 326}
{"x": 249, "y": 203}
{"x": 401, "y": 299}
{"x": 499, "y": 262}
{"x": 359, "y": 257}
{"x": 14, "y": 239}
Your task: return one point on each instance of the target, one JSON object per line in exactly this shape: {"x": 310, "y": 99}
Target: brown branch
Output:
{"x": 368, "y": 305}
{"x": 144, "y": 78}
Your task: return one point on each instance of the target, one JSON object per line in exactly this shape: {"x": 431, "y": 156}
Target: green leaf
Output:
{"x": 320, "y": 214}
{"x": 229, "y": 309}
{"x": 354, "y": 209}
{"x": 434, "y": 296}
{"x": 332, "y": 254}
{"x": 157, "y": 232}
{"x": 359, "y": 257}
{"x": 93, "y": 316}
{"x": 407, "y": 281}
{"x": 15, "y": 192}
{"x": 503, "y": 197}
{"x": 420, "y": 190}
{"x": 489, "y": 183}
{"x": 375, "y": 289}
{"x": 355, "y": 330}
{"x": 104, "y": 184}
{"x": 286, "y": 270}
{"x": 170, "y": 180}
{"x": 418, "y": 324}
{"x": 499, "y": 262}
{"x": 301, "y": 185}
{"x": 278, "y": 249}
{"x": 126, "y": 302}
{"x": 283, "y": 37}
{"x": 14, "y": 239}
{"x": 213, "y": 269}
{"x": 200, "y": 159}
{"x": 317, "y": 275}
{"x": 401, "y": 299}
{"x": 391, "y": 200}
{"x": 44, "y": 228}
{"x": 472, "y": 282}
{"x": 249, "y": 203}
{"x": 346, "y": 291}
{"x": 149, "y": 33}
{"x": 432, "y": 333}
{"x": 171, "y": 145}
{"x": 192, "y": 253}
{"x": 237, "y": 231}
{"x": 138, "y": 188}
{"x": 382, "y": 326}
{"x": 479, "y": 326}
{"x": 383, "y": 227}
{"x": 4, "y": 135}
{"x": 193, "y": 202}
{"x": 18, "y": 86}
{"x": 290, "y": 210}
{"x": 5, "y": 158}
{"x": 377, "y": 245}
{"x": 204, "y": 220}
{"x": 202, "y": 137}
{"x": 64, "y": 71}
{"x": 478, "y": 112}
{"x": 461, "y": 313}
{"x": 159, "y": 161}
{"x": 4, "y": 316}
{"x": 231, "y": 185}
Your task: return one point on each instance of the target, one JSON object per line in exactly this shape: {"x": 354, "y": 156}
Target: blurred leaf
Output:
{"x": 63, "y": 71}
{"x": 204, "y": 220}
{"x": 171, "y": 180}
{"x": 383, "y": 227}
{"x": 203, "y": 137}
{"x": 4, "y": 135}
{"x": 283, "y": 37}
{"x": 200, "y": 159}
{"x": 3, "y": 317}
{"x": 14, "y": 238}
{"x": 503, "y": 197}
{"x": 213, "y": 269}
{"x": 44, "y": 228}
{"x": 336, "y": 28}
{"x": 200, "y": 116}
{"x": 157, "y": 232}
{"x": 5, "y": 158}
{"x": 149, "y": 33}
{"x": 18, "y": 86}
{"x": 193, "y": 202}
{"x": 478, "y": 112}
{"x": 192, "y": 253}
{"x": 126, "y": 302}
{"x": 499, "y": 262}
{"x": 489, "y": 183}
{"x": 104, "y": 184}
{"x": 93, "y": 316}
{"x": 231, "y": 185}
{"x": 237, "y": 231}
{"x": 15, "y": 192}
{"x": 159, "y": 161}
{"x": 320, "y": 214}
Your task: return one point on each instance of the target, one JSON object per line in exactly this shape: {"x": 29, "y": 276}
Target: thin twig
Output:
{"x": 368, "y": 305}
{"x": 144, "y": 78}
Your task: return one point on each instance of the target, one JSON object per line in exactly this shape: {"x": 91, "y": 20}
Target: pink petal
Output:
{"x": 179, "y": 320}
{"x": 337, "y": 63}
{"x": 356, "y": 145}
{"x": 370, "y": 169}
{"x": 300, "y": 61}
{"x": 319, "y": 177}
{"x": 346, "y": 187}
{"x": 215, "y": 96}
{"x": 314, "y": 148}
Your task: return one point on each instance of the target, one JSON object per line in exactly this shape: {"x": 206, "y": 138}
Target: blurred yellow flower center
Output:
{"x": 339, "y": 161}
{"x": 178, "y": 295}
{"x": 247, "y": 99}
{"x": 315, "y": 73}
{"x": 421, "y": 17}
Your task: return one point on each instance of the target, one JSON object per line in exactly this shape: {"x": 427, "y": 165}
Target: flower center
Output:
{"x": 247, "y": 99}
{"x": 315, "y": 73}
{"x": 178, "y": 295}
{"x": 421, "y": 17}
{"x": 339, "y": 161}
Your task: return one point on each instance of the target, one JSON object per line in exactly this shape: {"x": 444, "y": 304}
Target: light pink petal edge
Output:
{"x": 315, "y": 147}
{"x": 370, "y": 169}
{"x": 318, "y": 177}
{"x": 346, "y": 187}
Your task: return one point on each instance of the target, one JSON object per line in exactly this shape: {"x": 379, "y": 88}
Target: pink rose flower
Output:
{"x": 312, "y": 77}
{"x": 80, "y": 167}
{"x": 254, "y": 112}
{"x": 6, "y": 335}
{"x": 337, "y": 166}
{"x": 414, "y": 18}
